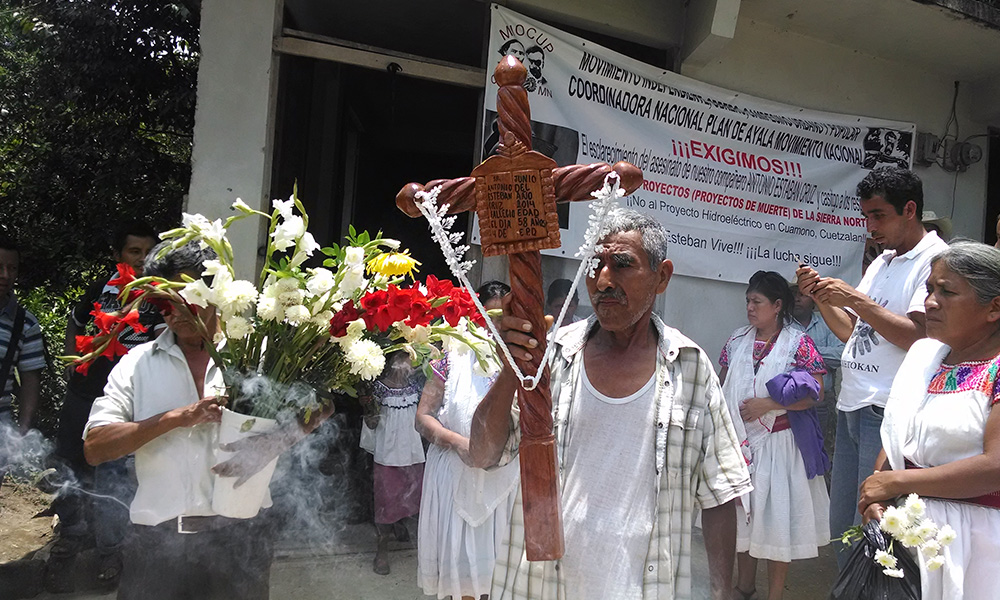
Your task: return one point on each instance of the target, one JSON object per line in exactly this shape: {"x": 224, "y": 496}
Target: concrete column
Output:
{"x": 233, "y": 132}
{"x": 710, "y": 25}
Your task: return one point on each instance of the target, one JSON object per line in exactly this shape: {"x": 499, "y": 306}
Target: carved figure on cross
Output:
{"x": 514, "y": 194}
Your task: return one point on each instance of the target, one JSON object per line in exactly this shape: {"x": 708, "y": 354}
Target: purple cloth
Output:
{"x": 789, "y": 388}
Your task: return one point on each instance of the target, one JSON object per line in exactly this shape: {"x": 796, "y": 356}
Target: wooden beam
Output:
{"x": 341, "y": 51}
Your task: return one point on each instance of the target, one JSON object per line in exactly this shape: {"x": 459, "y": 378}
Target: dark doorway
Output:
{"x": 992, "y": 186}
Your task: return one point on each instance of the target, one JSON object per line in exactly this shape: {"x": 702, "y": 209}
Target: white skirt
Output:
{"x": 790, "y": 514}
{"x": 971, "y": 560}
{"x": 454, "y": 558}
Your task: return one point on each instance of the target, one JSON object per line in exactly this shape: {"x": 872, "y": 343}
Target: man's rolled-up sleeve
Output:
{"x": 115, "y": 406}
{"x": 724, "y": 473}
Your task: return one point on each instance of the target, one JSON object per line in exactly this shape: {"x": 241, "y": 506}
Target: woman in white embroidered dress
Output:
{"x": 786, "y": 516}
{"x": 464, "y": 511}
{"x": 940, "y": 436}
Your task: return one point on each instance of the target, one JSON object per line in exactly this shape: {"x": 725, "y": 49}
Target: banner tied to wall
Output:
{"x": 741, "y": 183}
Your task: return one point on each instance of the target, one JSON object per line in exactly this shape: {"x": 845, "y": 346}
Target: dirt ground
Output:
{"x": 21, "y": 534}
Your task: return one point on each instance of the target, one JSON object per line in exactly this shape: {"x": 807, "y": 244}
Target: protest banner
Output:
{"x": 742, "y": 183}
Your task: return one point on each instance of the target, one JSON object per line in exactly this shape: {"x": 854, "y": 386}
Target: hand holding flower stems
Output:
{"x": 908, "y": 525}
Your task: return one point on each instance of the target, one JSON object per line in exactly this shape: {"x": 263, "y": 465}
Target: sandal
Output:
{"x": 381, "y": 563}
{"x": 751, "y": 595}
{"x": 109, "y": 570}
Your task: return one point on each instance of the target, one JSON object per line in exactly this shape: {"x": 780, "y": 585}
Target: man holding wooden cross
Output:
{"x": 643, "y": 438}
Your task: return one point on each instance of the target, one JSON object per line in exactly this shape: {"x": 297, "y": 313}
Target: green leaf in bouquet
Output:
{"x": 439, "y": 301}
{"x": 247, "y": 425}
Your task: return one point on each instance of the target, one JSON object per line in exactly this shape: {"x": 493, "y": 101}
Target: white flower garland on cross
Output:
{"x": 605, "y": 200}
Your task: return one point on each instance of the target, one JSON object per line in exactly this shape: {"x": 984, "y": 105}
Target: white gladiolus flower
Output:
{"x": 885, "y": 559}
{"x": 208, "y": 230}
{"x": 935, "y": 563}
{"x": 366, "y": 359}
{"x": 421, "y": 334}
{"x": 218, "y": 338}
{"x": 298, "y": 314}
{"x": 354, "y": 256}
{"x": 946, "y": 535}
{"x": 491, "y": 368}
{"x": 390, "y": 243}
{"x": 354, "y": 279}
{"x": 914, "y": 506}
{"x": 236, "y": 296}
{"x": 288, "y": 232}
{"x": 268, "y": 309}
{"x": 320, "y": 281}
{"x": 897, "y": 573}
{"x": 894, "y": 521}
{"x": 196, "y": 292}
{"x": 214, "y": 268}
{"x": 242, "y": 206}
{"x": 284, "y": 207}
{"x": 930, "y": 548}
{"x": 238, "y": 327}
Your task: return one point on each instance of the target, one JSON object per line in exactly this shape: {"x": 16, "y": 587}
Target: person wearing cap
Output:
{"x": 939, "y": 225}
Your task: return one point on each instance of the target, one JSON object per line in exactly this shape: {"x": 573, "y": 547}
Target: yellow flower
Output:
{"x": 392, "y": 264}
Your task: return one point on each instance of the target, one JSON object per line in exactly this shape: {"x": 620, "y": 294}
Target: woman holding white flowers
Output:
{"x": 786, "y": 516}
{"x": 464, "y": 511}
{"x": 941, "y": 438}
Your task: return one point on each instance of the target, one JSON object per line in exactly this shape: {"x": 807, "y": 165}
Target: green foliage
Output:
{"x": 96, "y": 123}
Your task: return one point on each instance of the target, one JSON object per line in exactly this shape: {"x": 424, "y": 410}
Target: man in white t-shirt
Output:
{"x": 644, "y": 439}
{"x": 878, "y": 320}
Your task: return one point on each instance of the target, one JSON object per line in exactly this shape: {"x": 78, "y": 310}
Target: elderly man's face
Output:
{"x": 625, "y": 287}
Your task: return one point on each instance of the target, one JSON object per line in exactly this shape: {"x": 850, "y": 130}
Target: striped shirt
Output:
{"x": 30, "y": 353}
{"x": 698, "y": 464}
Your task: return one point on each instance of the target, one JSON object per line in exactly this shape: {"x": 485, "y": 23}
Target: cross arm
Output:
{"x": 459, "y": 194}
{"x": 576, "y": 182}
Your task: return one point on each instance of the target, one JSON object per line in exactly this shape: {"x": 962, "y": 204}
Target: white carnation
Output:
{"x": 196, "y": 292}
{"x": 236, "y": 296}
{"x": 322, "y": 319}
{"x": 894, "y": 521}
{"x": 885, "y": 559}
{"x": 935, "y": 563}
{"x": 930, "y": 548}
{"x": 946, "y": 535}
{"x": 291, "y": 298}
{"x": 910, "y": 539}
{"x": 927, "y": 530}
{"x": 268, "y": 309}
{"x": 296, "y": 315}
{"x": 320, "y": 281}
{"x": 914, "y": 506}
{"x": 238, "y": 327}
{"x": 287, "y": 284}
{"x": 366, "y": 359}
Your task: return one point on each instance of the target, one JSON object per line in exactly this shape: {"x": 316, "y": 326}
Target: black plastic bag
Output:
{"x": 862, "y": 578}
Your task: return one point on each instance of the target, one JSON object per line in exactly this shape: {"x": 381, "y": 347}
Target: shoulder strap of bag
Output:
{"x": 15, "y": 340}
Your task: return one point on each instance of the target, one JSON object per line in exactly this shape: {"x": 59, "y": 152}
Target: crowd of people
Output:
{"x": 652, "y": 442}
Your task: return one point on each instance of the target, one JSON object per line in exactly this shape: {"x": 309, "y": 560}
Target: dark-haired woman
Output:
{"x": 786, "y": 516}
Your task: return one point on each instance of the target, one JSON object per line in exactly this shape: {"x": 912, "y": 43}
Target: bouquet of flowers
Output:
{"x": 287, "y": 341}
{"x": 908, "y": 525}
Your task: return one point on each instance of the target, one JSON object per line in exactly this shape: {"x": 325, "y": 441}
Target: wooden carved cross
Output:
{"x": 515, "y": 195}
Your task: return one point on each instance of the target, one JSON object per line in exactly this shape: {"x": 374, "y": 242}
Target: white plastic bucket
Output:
{"x": 245, "y": 501}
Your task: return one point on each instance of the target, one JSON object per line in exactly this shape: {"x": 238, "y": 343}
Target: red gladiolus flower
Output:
{"x": 132, "y": 320}
{"x": 115, "y": 349}
{"x": 420, "y": 312}
{"x": 126, "y": 275}
{"x": 438, "y": 287}
{"x": 104, "y": 321}
{"x": 376, "y": 305}
{"x": 343, "y": 318}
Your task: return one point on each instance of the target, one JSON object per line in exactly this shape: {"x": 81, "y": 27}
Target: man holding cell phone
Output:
{"x": 878, "y": 320}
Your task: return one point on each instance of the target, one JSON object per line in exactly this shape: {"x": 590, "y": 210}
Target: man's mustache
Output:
{"x": 616, "y": 295}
